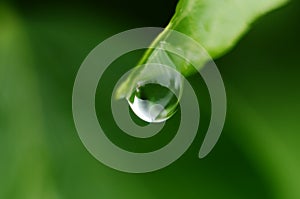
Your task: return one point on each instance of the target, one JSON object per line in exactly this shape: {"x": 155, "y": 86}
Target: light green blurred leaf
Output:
{"x": 23, "y": 166}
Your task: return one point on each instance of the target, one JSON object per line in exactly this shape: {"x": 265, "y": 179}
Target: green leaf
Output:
{"x": 216, "y": 25}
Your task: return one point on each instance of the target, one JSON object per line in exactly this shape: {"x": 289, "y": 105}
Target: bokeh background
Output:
{"x": 43, "y": 43}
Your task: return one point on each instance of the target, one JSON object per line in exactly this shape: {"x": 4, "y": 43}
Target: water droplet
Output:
{"x": 153, "y": 102}
{"x": 157, "y": 89}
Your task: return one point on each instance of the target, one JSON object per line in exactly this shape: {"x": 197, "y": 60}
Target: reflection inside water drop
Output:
{"x": 153, "y": 102}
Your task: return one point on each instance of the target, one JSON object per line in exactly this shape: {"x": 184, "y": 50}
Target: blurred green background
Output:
{"x": 42, "y": 45}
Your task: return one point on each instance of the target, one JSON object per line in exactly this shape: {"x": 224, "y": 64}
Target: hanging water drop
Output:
{"x": 156, "y": 92}
{"x": 153, "y": 102}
